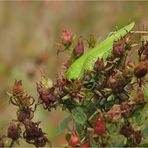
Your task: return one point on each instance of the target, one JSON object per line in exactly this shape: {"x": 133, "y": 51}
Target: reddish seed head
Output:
{"x": 66, "y": 38}
{"x": 74, "y": 139}
{"x": 99, "y": 65}
{"x": 99, "y": 127}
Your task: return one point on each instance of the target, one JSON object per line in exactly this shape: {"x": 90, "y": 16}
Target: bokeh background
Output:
{"x": 29, "y": 37}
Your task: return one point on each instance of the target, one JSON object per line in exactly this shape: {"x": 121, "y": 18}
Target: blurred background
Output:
{"x": 29, "y": 37}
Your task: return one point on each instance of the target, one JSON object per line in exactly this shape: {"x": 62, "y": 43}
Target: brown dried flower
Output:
{"x": 46, "y": 96}
{"x": 139, "y": 98}
{"x": 17, "y": 87}
{"x": 14, "y": 131}
{"x": 79, "y": 48}
{"x": 99, "y": 65}
{"x": 127, "y": 130}
{"x": 25, "y": 113}
{"x": 33, "y": 134}
{"x": 141, "y": 70}
{"x": 118, "y": 48}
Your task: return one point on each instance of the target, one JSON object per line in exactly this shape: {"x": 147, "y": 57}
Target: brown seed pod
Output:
{"x": 138, "y": 137}
{"x": 46, "y": 96}
{"x": 118, "y": 48}
{"x": 139, "y": 98}
{"x": 99, "y": 65}
{"x": 115, "y": 81}
{"x": 14, "y": 131}
{"x": 127, "y": 130}
{"x": 141, "y": 69}
{"x": 79, "y": 48}
{"x": 33, "y": 134}
{"x": 25, "y": 113}
{"x": 17, "y": 88}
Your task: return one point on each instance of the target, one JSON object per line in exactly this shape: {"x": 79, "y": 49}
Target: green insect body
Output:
{"x": 103, "y": 50}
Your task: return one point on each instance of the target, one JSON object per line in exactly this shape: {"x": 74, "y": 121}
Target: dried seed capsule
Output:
{"x": 141, "y": 70}
{"x": 118, "y": 48}
{"x": 46, "y": 96}
{"x": 115, "y": 81}
{"x": 138, "y": 137}
{"x": 99, "y": 65}
{"x": 79, "y": 48}
{"x": 33, "y": 134}
{"x": 74, "y": 139}
{"x": 99, "y": 127}
{"x": 14, "y": 131}
{"x": 24, "y": 113}
{"x": 127, "y": 130}
{"x": 17, "y": 88}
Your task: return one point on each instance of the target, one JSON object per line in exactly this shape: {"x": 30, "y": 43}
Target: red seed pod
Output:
{"x": 99, "y": 65}
{"x": 86, "y": 144}
{"x": 66, "y": 38}
{"x": 79, "y": 48}
{"x": 99, "y": 127}
{"x": 141, "y": 70}
{"x": 118, "y": 48}
{"x": 74, "y": 139}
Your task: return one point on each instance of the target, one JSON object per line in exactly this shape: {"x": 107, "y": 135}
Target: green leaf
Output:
{"x": 67, "y": 136}
{"x": 145, "y": 90}
{"x": 63, "y": 125}
{"x": 103, "y": 50}
{"x": 93, "y": 143}
{"x": 79, "y": 115}
{"x": 111, "y": 97}
{"x": 145, "y": 132}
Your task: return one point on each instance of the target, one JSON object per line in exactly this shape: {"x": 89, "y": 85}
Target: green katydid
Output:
{"x": 102, "y": 50}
